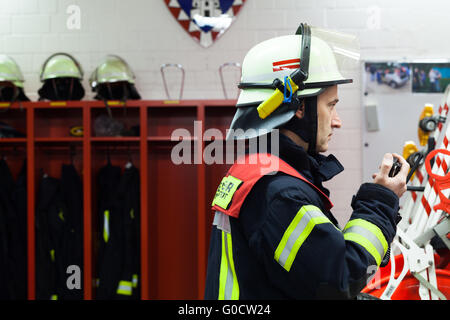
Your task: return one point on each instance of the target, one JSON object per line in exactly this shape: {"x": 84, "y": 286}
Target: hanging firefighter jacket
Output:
{"x": 58, "y": 235}
{"x": 19, "y": 199}
{"x": 6, "y": 131}
{"x": 72, "y": 244}
{"x": 13, "y": 255}
{"x": 119, "y": 211}
{"x": 130, "y": 194}
{"x": 48, "y": 231}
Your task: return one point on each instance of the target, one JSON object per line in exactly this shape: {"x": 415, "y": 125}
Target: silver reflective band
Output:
{"x": 296, "y": 234}
{"x": 228, "y": 283}
{"x": 222, "y": 221}
{"x": 369, "y": 236}
{"x": 106, "y": 225}
{"x": 125, "y": 288}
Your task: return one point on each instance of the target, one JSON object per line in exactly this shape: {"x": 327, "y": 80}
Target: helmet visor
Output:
{"x": 113, "y": 69}
{"x": 330, "y": 58}
{"x": 345, "y": 48}
{"x": 9, "y": 70}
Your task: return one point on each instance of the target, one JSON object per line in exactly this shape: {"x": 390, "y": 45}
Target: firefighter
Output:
{"x": 273, "y": 235}
{"x": 61, "y": 75}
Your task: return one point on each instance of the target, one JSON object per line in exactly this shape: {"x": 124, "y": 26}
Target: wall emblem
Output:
{"x": 205, "y": 20}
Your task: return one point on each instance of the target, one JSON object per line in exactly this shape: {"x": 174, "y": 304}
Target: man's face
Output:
{"x": 327, "y": 117}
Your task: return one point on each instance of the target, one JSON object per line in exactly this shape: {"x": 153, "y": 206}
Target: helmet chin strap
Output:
{"x": 306, "y": 127}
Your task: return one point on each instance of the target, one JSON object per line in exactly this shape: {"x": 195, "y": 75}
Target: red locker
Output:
{"x": 175, "y": 198}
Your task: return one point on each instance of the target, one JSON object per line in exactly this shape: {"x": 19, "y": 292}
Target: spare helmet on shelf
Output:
{"x": 11, "y": 81}
{"x": 113, "y": 79}
{"x": 61, "y": 75}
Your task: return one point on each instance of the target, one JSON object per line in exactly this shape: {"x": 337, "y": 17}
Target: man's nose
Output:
{"x": 336, "y": 121}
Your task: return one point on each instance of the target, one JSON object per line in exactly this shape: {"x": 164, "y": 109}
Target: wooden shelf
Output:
{"x": 13, "y": 140}
{"x": 169, "y": 139}
{"x": 57, "y": 105}
{"x": 60, "y": 139}
{"x": 114, "y": 139}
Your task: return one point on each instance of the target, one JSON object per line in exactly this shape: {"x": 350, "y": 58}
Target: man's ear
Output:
{"x": 300, "y": 113}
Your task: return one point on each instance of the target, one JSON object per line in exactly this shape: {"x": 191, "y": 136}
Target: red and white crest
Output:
{"x": 205, "y": 20}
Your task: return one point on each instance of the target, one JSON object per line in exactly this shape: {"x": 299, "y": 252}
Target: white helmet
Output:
{"x": 266, "y": 61}
{"x": 277, "y": 74}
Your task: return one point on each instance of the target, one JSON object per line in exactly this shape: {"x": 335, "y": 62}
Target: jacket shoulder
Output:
{"x": 281, "y": 187}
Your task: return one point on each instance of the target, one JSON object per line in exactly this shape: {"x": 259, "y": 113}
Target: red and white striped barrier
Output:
{"x": 419, "y": 215}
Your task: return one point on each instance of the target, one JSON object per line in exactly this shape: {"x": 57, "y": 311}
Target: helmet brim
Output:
{"x": 247, "y": 124}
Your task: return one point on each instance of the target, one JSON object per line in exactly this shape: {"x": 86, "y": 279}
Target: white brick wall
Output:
{"x": 145, "y": 33}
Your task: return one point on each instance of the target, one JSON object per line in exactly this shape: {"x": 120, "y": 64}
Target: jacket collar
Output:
{"x": 317, "y": 168}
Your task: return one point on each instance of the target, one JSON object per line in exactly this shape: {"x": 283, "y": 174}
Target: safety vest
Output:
{"x": 244, "y": 174}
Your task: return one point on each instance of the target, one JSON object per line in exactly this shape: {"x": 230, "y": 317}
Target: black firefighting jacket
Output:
{"x": 13, "y": 234}
{"x": 59, "y": 236}
{"x": 285, "y": 244}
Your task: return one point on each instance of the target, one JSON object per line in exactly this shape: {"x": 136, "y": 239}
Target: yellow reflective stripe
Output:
{"x": 228, "y": 284}
{"x": 371, "y": 227}
{"x": 135, "y": 280}
{"x": 61, "y": 215}
{"x": 54, "y": 297}
{"x": 106, "y": 225}
{"x": 369, "y": 236}
{"x": 225, "y": 191}
{"x": 297, "y": 232}
{"x": 125, "y": 288}
{"x": 366, "y": 244}
{"x": 52, "y": 255}
{"x": 235, "y": 291}
{"x": 223, "y": 270}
